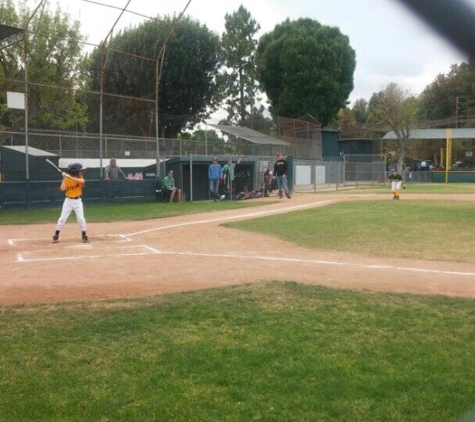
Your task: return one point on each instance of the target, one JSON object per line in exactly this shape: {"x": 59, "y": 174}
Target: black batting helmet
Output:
{"x": 75, "y": 168}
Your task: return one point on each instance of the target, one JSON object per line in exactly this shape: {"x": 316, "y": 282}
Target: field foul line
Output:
{"x": 315, "y": 261}
{"x": 152, "y": 251}
{"x": 235, "y": 217}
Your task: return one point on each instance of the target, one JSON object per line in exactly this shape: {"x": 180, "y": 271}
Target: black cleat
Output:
{"x": 55, "y": 239}
{"x": 85, "y": 239}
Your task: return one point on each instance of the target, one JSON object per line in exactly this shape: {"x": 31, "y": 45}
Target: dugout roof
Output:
{"x": 91, "y": 163}
{"x": 35, "y": 152}
{"x": 250, "y": 135}
{"x": 464, "y": 133}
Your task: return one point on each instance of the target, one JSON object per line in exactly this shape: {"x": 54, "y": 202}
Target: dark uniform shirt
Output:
{"x": 280, "y": 167}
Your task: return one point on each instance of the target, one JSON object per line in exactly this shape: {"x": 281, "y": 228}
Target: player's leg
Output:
{"x": 394, "y": 188}
{"x": 79, "y": 211}
{"x": 211, "y": 189}
{"x": 286, "y": 187}
{"x": 398, "y": 189}
{"x": 279, "y": 185}
{"x": 65, "y": 213}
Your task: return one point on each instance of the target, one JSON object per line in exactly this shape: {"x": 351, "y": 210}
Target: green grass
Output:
{"x": 439, "y": 188}
{"x": 123, "y": 212}
{"x": 266, "y": 351}
{"x": 430, "y": 229}
{"x": 275, "y": 351}
{"x": 151, "y": 210}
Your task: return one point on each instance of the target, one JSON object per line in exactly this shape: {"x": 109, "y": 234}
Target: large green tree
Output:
{"x": 49, "y": 57}
{"x": 306, "y": 68}
{"x": 191, "y": 59}
{"x": 239, "y": 85}
{"x": 450, "y": 99}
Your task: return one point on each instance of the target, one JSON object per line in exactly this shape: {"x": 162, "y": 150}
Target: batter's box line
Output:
{"x": 123, "y": 238}
{"x": 148, "y": 251}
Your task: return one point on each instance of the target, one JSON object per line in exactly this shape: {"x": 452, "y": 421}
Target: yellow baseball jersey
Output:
{"x": 74, "y": 188}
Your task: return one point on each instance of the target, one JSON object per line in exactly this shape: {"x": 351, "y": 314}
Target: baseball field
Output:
{"x": 330, "y": 306}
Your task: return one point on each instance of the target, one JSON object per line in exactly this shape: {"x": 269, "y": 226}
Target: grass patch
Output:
{"x": 152, "y": 210}
{"x": 266, "y": 351}
{"x": 429, "y": 230}
{"x": 123, "y": 212}
{"x": 412, "y": 188}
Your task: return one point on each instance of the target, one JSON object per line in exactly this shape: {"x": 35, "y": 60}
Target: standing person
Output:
{"x": 72, "y": 184}
{"x": 396, "y": 183}
{"x": 215, "y": 173}
{"x": 228, "y": 173}
{"x": 280, "y": 173}
{"x": 169, "y": 184}
{"x": 112, "y": 171}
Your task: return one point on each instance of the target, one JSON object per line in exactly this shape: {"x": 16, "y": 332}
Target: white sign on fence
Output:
{"x": 16, "y": 100}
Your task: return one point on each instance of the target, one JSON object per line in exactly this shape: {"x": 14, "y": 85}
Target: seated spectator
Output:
{"x": 168, "y": 183}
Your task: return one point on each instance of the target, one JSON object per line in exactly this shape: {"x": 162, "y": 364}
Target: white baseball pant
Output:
{"x": 69, "y": 206}
{"x": 396, "y": 185}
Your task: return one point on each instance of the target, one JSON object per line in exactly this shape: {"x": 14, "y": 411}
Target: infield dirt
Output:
{"x": 142, "y": 258}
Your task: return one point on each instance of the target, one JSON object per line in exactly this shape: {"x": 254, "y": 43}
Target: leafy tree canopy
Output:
{"x": 52, "y": 42}
{"x": 396, "y": 108}
{"x": 451, "y": 96}
{"x": 238, "y": 82}
{"x": 187, "y": 74}
{"x": 306, "y": 68}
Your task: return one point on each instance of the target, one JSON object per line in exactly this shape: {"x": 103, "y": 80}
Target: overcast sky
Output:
{"x": 391, "y": 44}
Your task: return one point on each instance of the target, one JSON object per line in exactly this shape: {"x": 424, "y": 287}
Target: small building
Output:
{"x": 14, "y": 166}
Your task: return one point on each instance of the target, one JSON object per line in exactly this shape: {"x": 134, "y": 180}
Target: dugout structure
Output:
{"x": 450, "y": 153}
{"x": 13, "y": 164}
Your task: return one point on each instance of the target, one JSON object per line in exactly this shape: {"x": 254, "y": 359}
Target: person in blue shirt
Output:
{"x": 215, "y": 173}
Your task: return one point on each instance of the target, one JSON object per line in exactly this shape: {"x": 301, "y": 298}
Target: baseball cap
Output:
{"x": 215, "y": 159}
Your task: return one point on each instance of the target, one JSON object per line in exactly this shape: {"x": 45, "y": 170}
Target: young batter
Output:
{"x": 72, "y": 183}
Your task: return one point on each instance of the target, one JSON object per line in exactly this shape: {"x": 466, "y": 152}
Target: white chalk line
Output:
{"x": 322, "y": 262}
{"x": 153, "y": 251}
{"x": 148, "y": 251}
{"x": 12, "y": 242}
{"x": 234, "y": 217}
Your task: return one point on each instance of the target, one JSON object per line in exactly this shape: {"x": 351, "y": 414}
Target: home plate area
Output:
{"x": 71, "y": 248}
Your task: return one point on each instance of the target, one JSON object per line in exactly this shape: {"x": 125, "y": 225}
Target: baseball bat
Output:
{"x": 54, "y": 165}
